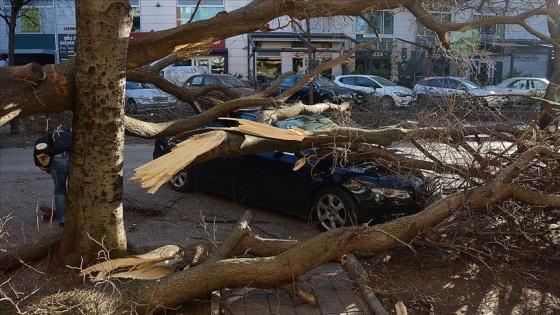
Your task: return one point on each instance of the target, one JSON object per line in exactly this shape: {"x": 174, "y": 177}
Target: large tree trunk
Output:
{"x": 549, "y": 119}
{"x": 95, "y": 211}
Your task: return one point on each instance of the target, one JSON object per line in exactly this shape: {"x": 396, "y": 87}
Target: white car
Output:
{"x": 390, "y": 93}
{"x": 144, "y": 97}
{"x": 445, "y": 90}
{"x": 519, "y": 88}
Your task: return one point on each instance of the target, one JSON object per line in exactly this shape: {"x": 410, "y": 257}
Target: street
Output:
{"x": 185, "y": 217}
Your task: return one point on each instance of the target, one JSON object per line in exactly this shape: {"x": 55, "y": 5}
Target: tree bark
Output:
{"x": 30, "y": 251}
{"x": 94, "y": 219}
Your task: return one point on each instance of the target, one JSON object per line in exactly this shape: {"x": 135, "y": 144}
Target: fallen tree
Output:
{"x": 227, "y": 265}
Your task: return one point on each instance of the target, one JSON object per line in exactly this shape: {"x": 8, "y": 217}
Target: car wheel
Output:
{"x": 130, "y": 107}
{"x": 182, "y": 181}
{"x": 387, "y": 102}
{"x": 334, "y": 207}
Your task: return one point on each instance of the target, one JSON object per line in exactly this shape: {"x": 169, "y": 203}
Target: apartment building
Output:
{"x": 48, "y": 34}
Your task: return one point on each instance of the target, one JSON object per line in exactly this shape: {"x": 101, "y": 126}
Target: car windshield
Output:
{"x": 384, "y": 82}
{"x": 322, "y": 81}
{"x": 137, "y": 86}
{"x": 308, "y": 123}
{"x": 470, "y": 84}
{"x": 231, "y": 81}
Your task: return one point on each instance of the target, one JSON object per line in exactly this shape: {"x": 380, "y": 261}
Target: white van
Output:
{"x": 179, "y": 74}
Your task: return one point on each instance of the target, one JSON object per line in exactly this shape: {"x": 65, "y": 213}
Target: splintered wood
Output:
{"x": 161, "y": 170}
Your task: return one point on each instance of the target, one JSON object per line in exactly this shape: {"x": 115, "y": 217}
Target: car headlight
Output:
{"x": 391, "y": 193}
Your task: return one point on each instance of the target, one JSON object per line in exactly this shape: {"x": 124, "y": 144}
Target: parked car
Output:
{"x": 444, "y": 90}
{"x": 145, "y": 96}
{"x": 519, "y": 88}
{"x": 179, "y": 74}
{"x": 327, "y": 193}
{"x": 389, "y": 93}
{"x": 232, "y": 82}
{"x": 324, "y": 90}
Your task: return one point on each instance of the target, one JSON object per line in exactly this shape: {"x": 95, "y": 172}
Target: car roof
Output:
{"x": 358, "y": 75}
{"x": 526, "y": 78}
{"x": 445, "y": 77}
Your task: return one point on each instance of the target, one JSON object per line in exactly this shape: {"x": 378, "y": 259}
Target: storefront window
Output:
{"x": 269, "y": 66}
{"x": 441, "y": 16}
{"x": 136, "y": 19}
{"x": 207, "y": 9}
{"x": 492, "y": 30}
{"x": 384, "y": 20}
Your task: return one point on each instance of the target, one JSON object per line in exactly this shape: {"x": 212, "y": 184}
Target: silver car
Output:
{"x": 519, "y": 88}
{"x": 389, "y": 93}
{"x": 144, "y": 97}
{"x": 445, "y": 90}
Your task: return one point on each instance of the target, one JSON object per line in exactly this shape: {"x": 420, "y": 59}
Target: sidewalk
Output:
{"x": 335, "y": 291}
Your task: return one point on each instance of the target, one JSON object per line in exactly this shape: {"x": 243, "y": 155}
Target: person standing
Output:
{"x": 3, "y": 61}
{"x": 52, "y": 155}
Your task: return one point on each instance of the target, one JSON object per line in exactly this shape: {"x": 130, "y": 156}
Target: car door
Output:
{"x": 267, "y": 179}
{"x": 367, "y": 85}
{"x": 538, "y": 87}
{"x": 435, "y": 89}
{"x": 518, "y": 87}
{"x": 217, "y": 175}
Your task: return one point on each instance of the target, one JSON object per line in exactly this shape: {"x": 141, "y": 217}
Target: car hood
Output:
{"x": 367, "y": 174}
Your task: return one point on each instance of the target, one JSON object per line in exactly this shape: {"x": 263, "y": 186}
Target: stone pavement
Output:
{"x": 335, "y": 291}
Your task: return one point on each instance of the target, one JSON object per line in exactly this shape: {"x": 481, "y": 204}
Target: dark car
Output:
{"x": 324, "y": 90}
{"x": 230, "y": 81}
{"x": 329, "y": 195}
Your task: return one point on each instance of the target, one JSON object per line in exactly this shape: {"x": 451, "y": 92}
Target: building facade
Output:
{"x": 47, "y": 34}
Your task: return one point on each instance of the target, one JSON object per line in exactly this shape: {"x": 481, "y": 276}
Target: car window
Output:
{"x": 197, "y": 80}
{"x": 437, "y": 82}
{"x": 470, "y": 84}
{"x": 452, "y": 84}
{"x": 231, "y": 81}
{"x": 384, "y": 82}
{"x": 136, "y": 85}
{"x": 360, "y": 81}
{"x": 289, "y": 81}
{"x": 209, "y": 81}
{"x": 348, "y": 80}
{"x": 519, "y": 84}
{"x": 322, "y": 81}
{"x": 540, "y": 85}
{"x": 132, "y": 85}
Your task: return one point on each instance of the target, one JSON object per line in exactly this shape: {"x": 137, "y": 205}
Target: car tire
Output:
{"x": 182, "y": 181}
{"x": 130, "y": 107}
{"x": 387, "y": 102}
{"x": 334, "y": 207}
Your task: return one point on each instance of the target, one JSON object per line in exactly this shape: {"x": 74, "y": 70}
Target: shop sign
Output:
{"x": 527, "y": 57}
{"x": 317, "y": 55}
{"x": 66, "y": 45}
{"x": 219, "y": 44}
